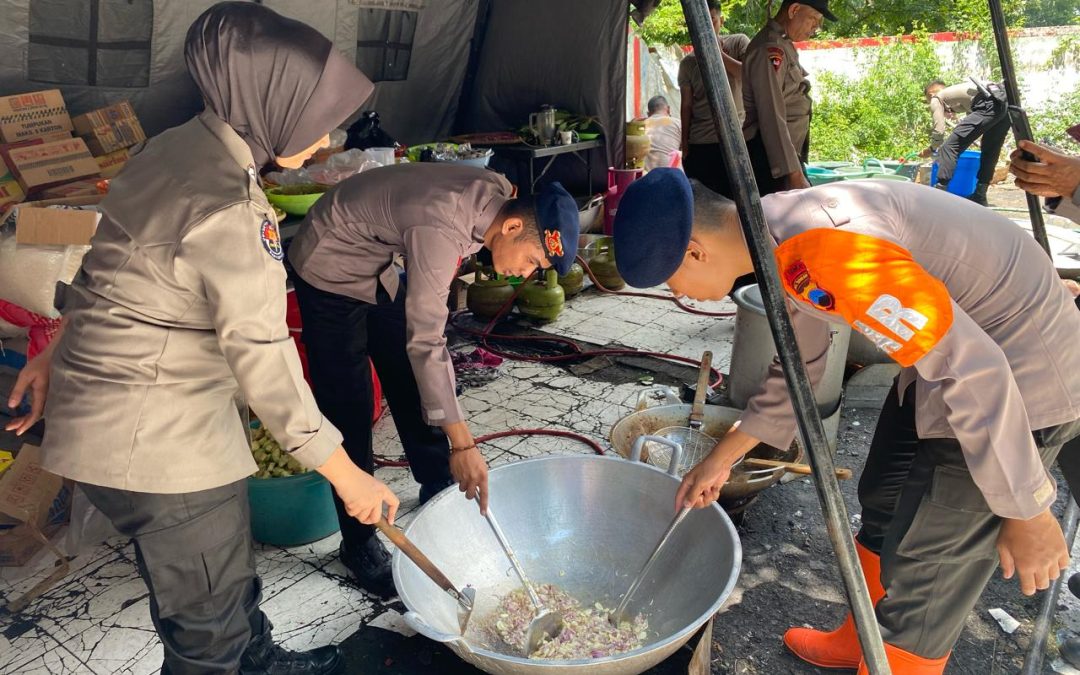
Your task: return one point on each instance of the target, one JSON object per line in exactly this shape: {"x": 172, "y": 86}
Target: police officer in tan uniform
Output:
{"x": 179, "y": 307}
{"x": 776, "y": 95}
{"x": 355, "y": 305}
{"x": 956, "y": 481}
{"x": 986, "y": 117}
{"x": 702, "y": 157}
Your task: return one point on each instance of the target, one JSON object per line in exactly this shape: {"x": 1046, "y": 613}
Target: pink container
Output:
{"x": 618, "y": 181}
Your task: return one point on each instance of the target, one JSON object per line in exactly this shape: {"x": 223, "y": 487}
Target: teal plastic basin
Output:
{"x": 291, "y": 511}
{"x": 883, "y": 176}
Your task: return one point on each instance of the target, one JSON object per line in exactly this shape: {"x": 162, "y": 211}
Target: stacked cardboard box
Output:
{"x": 42, "y": 160}
{"x": 109, "y": 129}
{"x": 33, "y": 115}
{"x": 36, "y": 146}
{"x": 10, "y": 190}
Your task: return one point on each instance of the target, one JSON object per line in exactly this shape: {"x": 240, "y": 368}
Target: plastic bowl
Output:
{"x": 824, "y": 178}
{"x": 291, "y": 511}
{"x": 296, "y": 200}
{"x": 478, "y": 162}
{"x": 830, "y": 165}
{"x": 882, "y": 176}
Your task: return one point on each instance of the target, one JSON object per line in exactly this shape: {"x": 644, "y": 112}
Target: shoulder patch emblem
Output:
{"x": 798, "y": 279}
{"x": 776, "y": 57}
{"x": 271, "y": 239}
{"x": 553, "y": 243}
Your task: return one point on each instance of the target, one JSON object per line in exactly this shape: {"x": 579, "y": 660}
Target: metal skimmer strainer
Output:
{"x": 696, "y": 444}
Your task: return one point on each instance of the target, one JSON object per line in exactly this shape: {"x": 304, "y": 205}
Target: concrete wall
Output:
{"x": 1032, "y": 49}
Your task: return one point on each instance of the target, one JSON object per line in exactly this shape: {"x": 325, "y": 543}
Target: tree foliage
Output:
{"x": 857, "y": 18}
{"x": 881, "y": 113}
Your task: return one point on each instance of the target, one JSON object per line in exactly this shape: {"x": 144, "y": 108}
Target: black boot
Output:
{"x": 1070, "y": 649}
{"x": 429, "y": 491}
{"x": 944, "y": 187}
{"x": 263, "y": 657}
{"x": 1074, "y": 584}
{"x": 1070, "y": 652}
{"x": 369, "y": 564}
{"x": 979, "y": 196}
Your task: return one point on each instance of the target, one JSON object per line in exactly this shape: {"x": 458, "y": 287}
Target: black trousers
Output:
{"x": 194, "y": 552}
{"x": 759, "y": 159}
{"x": 340, "y": 334}
{"x": 924, "y": 515}
{"x": 988, "y": 119}
{"x": 705, "y": 163}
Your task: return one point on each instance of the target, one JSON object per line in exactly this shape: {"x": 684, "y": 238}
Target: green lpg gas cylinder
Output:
{"x": 573, "y": 280}
{"x": 542, "y": 299}
{"x": 487, "y": 293}
{"x": 603, "y": 265}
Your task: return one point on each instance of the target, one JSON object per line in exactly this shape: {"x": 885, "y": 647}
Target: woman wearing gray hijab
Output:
{"x": 178, "y": 309}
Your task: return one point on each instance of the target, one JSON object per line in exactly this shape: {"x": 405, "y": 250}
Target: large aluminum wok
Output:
{"x": 586, "y": 524}
{"x": 745, "y": 480}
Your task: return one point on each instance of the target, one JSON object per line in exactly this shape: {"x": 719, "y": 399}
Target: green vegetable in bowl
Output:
{"x": 272, "y": 460}
{"x": 304, "y": 189}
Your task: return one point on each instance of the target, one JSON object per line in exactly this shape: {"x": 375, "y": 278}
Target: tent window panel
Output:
{"x": 121, "y": 68}
{"x": 384, "y": 42}
{"x": 91, "y": 42}
{"x": 56, "y": 65}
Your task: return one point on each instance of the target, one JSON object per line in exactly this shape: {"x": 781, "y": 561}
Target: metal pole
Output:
{"x": 1021, "y": 128}
{"x": 748, "y": 202}
{"x": 1037, "y": 650}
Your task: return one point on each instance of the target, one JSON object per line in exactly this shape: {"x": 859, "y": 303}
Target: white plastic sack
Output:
{"x": 28, "y": 274}
{"x": 9, "y": 330}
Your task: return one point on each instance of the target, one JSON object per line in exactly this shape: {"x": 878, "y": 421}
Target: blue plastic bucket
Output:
{"x": 966, "y": 175}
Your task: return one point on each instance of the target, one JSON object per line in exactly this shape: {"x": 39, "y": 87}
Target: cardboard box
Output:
{"x": 47, "y": 164}
{"x": 55, "y": 226}
{"x": 33, "y": 114}
{"x": 79, "y": 188}
{"x": 109, "y": 129}
{"x": 10, "y": 192}
{"x": 111, "y": 163}
{"x": 34, "y": 505}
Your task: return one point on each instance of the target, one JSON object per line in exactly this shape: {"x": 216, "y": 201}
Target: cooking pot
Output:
{"x": 745, "y": 481}
{"x": 587, "y": 524}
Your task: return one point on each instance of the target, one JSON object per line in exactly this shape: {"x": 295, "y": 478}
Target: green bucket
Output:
{"x": 883, "y": 176}
{"x": 832, "y": 166}
{"x": 820, "y": 176}
{"x": 291, "y": 511}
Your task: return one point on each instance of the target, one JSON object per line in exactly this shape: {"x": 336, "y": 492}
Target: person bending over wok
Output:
{"x": 956, "y": 479}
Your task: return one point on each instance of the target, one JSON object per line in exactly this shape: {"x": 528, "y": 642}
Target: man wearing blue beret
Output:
{"x": 354, "y": 306}
{"x": 971, "y": 307}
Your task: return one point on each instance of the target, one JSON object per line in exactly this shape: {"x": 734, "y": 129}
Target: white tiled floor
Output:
{"x": 97, "y": 620}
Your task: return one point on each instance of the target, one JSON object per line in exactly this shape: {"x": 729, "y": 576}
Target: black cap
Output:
{"x": 653, "y": 226}
{"x": 557, "y": 215}
{"x": 821, "y": 6}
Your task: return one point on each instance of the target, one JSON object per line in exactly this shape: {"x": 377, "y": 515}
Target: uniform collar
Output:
{"x": 487, "y": 216}
{"x": 774, "y": 26}
{"x": 230, "y": 140}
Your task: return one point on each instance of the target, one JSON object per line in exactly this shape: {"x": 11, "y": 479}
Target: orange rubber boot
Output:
{"x": 906, "y": 663}
{"x": 839, "y": 648}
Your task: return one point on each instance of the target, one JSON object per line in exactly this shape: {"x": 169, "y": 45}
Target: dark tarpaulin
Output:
{"x": 568, "y": 53}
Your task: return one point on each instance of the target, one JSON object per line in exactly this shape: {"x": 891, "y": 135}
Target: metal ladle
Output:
{"x": 619, "y": 615}
{"x": 546, "y": 624}
{"x": 465, "y": 597}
